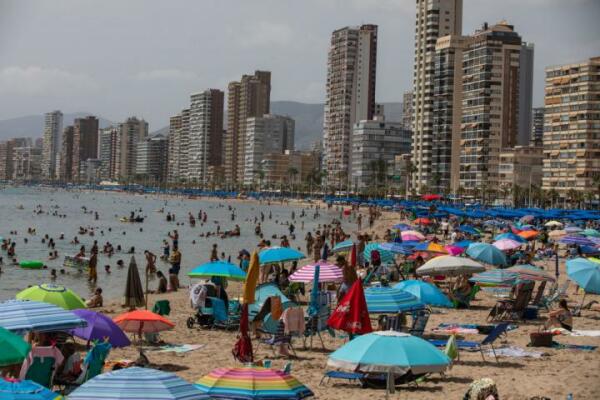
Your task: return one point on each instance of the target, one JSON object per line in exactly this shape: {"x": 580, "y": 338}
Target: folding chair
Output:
{"x": 499, "y": 330}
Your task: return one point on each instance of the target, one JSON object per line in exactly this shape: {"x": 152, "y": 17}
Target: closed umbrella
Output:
{"x": 252, "y": 382}
{"x": 134, "y": 294}
{"x": 22, "y": 316}
{"x": 14, "y": 348}
{"x": 251, "y": 279}
{"x": 313, "y": 306}
{"x": 344, "y": 246}
{"x": 450, "y": 266}
{"x": 99, "y": 327}
{"x": 507, "y": 244}
{"x": 25, "y": 390}
{"x": 242, "y": 350}
{"x": 353, "y": 257}
{"x": 389, "y": 300}
{"x": 53, "y": 294}
{"x": 136, "y": 383}
{"x": 327, "y": 273}
{"x": 351, "y": 314}
{"x": 425, "y": 292}
{"x": 274, "y": 255}
{"x": 486, "y": 253}
{"x": 218, "y": 268}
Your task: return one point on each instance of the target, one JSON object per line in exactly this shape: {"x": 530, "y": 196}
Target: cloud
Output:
{"x": 35, "y": 80}
{"x": 264, "y": 34}
{"x": 166, "y": 74}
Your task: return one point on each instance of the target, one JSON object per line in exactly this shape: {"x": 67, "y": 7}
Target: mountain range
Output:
{"x": 308, "y": 117}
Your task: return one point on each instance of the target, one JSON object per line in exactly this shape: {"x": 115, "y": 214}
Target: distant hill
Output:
{"x": 33, "y": 125}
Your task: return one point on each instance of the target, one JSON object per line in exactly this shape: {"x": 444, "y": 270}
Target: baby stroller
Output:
{"x": 200, "y": 295}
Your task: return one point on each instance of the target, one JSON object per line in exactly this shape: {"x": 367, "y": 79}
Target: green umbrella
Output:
{"x": 54, "y": 294}
{"x": 14, "y": 348}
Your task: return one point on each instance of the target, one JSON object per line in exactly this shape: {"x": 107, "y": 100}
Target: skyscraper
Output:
{"x": 53, "y": 126}
{"x": 572, "y": 127}
{"x": 407, "y": 110}
{"x": 151, "y": 157}
{"x": 490, "y": 105}
{"x": 109, "y": 152}
{"x": 173, "y": 174}
{"x": 206, "y": 131}
{"x": 131, "y": 132}
{"x": 351, "y": 74}
{"x": 435, "y": 18}
{"x": 85, "y": 143}
{"x": 66, "y": 154}
{"x": 250, "y": 97}
{"x": 537, "y": 126}
{"x": 525, "y": 93}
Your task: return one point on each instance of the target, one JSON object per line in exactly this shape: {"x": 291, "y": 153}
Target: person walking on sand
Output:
{"x": 150, "y": 262}
{"x": 214, "y": 253}
{"x": 174, "y": 270}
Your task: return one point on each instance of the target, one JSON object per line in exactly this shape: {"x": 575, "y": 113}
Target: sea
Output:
{"x": 43, "y": 209}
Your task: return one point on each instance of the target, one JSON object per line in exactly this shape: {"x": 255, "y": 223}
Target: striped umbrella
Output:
{"x": 577, "y": 240}
{"x": 529, "y": 272}
{"x": 396, "y": 248}
{"x": 495, "y": 277}
{"x": 21, "y": 316}
{"x": 252, "y": 383}
{"x": 327, "y": 273}
{"x": 25, "y": 390}
{"x": 341, "y": 247}
{"x": 137, "y": 383}
{"x": 389, "y": 300}
{"x": 387, "y": 257}
{"x": 408, "y": 236}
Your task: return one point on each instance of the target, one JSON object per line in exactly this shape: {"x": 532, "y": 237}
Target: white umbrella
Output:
{"x": 450, "y": 266}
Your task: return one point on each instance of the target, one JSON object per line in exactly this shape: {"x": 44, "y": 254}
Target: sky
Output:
{"x": 118, "y": 58}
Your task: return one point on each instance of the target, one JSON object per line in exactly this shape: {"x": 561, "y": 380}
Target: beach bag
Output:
{"x": 541, "y": 339}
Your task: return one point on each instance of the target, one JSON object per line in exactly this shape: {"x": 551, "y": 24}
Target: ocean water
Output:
{"x": 17, "y": 212}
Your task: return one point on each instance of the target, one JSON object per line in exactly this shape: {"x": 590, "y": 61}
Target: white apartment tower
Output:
{"x": 351, "y": 72}
{"x": 434, "y": 18}
{"x": 53, "y": 126}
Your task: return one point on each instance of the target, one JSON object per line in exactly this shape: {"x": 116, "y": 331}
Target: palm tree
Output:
{"x": 596, "y": 184}
{"x": 292, "y": 173}
{"x": 572, "y": 196}
{"x": 260, "y": 174}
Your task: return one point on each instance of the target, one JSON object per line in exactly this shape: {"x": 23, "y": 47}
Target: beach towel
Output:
{"x": 584, "y": 333}
{"x": 293, "y": 320}
{"x": 580, "y": 347}
{"x": 513, "y": 351}
{"x": 179, "y": 349}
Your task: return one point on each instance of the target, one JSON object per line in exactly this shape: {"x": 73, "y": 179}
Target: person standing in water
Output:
{"x": 92, "y": 272}
{"x": 175, "y": 267}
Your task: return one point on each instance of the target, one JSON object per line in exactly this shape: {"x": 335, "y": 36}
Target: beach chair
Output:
{"x": 279, "y": 339}
{"x": 557, "y": 293}
{"x": 489, "y": 340}
{"x": 419, "y": 322}
{"x": 162, "y": 307}
{"x": 512, "y": 309}
{"x": 221, "y": 318}
{"x": 466, "y": 301}
{"x": 394, "y": 323}
{"x": 349, "y": 376}
{"x": 318, "y": 323}
{"x": 42, "y": 365}
{"x": 539, "y": 294}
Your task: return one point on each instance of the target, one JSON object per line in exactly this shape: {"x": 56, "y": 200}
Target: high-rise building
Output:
{"x": 85, "y": 143}
{"x": 174, "y": 147}
{"x": 109, "y": 153}
{"x": 374, "y": 147}
{"x": 53, "y": 126}
{"x": 152, "y": 154}
{"x": 490, "y": 105}
{"x": 7, "y": 155}
{"x": 66, "y": 154}
{"x": 350, "y": 95}
{"x": 27, "y": 163}
{"x": 434, "y": 18}
{"x": 521, "y": 166}
{"x": 267, "y": 134}
{"x": 537, "y": 126}
{"x": 572, "y": 127}
{"x": 206, "y": 133}
{"x": 281, "y": 170}
{"x": 447, "y": 112}
{"x": 407, "y": 110}
{"x": 131, "y": 132}
{"x": 525, "y": 93}
{"x": 250, "y": 97}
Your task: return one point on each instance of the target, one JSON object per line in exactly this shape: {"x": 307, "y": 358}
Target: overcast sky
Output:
{"x": 118, "y": 58}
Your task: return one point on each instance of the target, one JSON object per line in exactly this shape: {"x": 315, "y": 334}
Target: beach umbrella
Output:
{"x": 431, "y": 247}
{"x": 431, "y": 197}
{"x": 242, "y": 350}
{"x": 386, "y": 256}
{"x": 486, "y": 253}
{"x": 22, "y": 316}
{"x": 557, "y": 234}
{"x": 529, "y": 272}
{"x": 469, "y": 230}
{"x": 586, "y": 273}
{"x": 527, "y": 218}
{"x": 573, "y": 229}
{"x": 251, "y": 279}
{"x": 529, "y": 234}
{"x": 313, "y": 306}
{"x": 495, "y": 277}
{"x": 136, "y": 383}
{"x": 396, "y": 248}
{"x": 551, "y": 224}
{"x": 402, "y": 227}
{"x": 408, "y": 236}
{"x": 327, "y": 273}
{"x": 341, "y": 247}
{"x": 390, "y": 300}
{"x": 142, "y": 321}
{"x": 425, "y": 292}
{"x": 577, "y": 240}
{"x": 218, "y": 268}
{"x": 252, "y": 382}
{"x": 52, "y": 294}
{"x": 351, "y": 314}
{"x": 506, "y": 244}
{"x": 422, "y": 221}
{"x": 591, "y": 232}
{"x": 274, "y": 255}
{"x": 454, "y": 250}
{"x": 134, "y": 294}
{"x": 99, "y": 327}
{"x": 494, "y": 223}
{"x": 353, "y": 256}
{"x": 463, "y": 243}
{"x": 25, "y": 390}
{"x": 389, "y": 352}
{"x": 510, "y": 235}
{"x": 450, "y": 266}
{"x": 14, "y": 348}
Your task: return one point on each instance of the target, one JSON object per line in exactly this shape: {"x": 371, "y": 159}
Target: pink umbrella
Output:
{"x": 506, "y": 244}
{"x": 327, "y": 273}
{"x": 409, "y": 236}
{"x": 454, "y": 250}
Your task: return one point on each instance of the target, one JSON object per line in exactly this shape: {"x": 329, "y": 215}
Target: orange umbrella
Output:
{"x": 528, "y": 235}
{"x": 142, "y": 321}
{"x": 422, "y": 221}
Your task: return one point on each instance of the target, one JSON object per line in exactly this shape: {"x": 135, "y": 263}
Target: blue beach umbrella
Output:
{"x": 486, "y": 253}
{"x": 463, "y": 243}
{"x": 396, "y": 248}
{"x": 386, "y": 256}
{"x": 402, "y": 227}
{"x": 137, "y": 383}
{"x": 218, "y": 268}
{"x": 390, "y": 300}
{"x": 586, "y": 273}
{"x": 25, "y": 390}
{"x": 273, "y": 255}
{"x": 346, "y": 245}
{"x": 495, "y": 277}
{"x": 577, "y": 240}
{"x": 510, "y": 235}
{"x": 426, "y": 292}
{"x": 22, "y": 316}
{"x": 469, "y": 230}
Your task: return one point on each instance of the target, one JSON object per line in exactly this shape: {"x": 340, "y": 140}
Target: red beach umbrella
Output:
{"x": 351, "y": 314}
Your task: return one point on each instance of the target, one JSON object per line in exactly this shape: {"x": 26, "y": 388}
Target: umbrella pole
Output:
{"x": 146, "y": 297}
